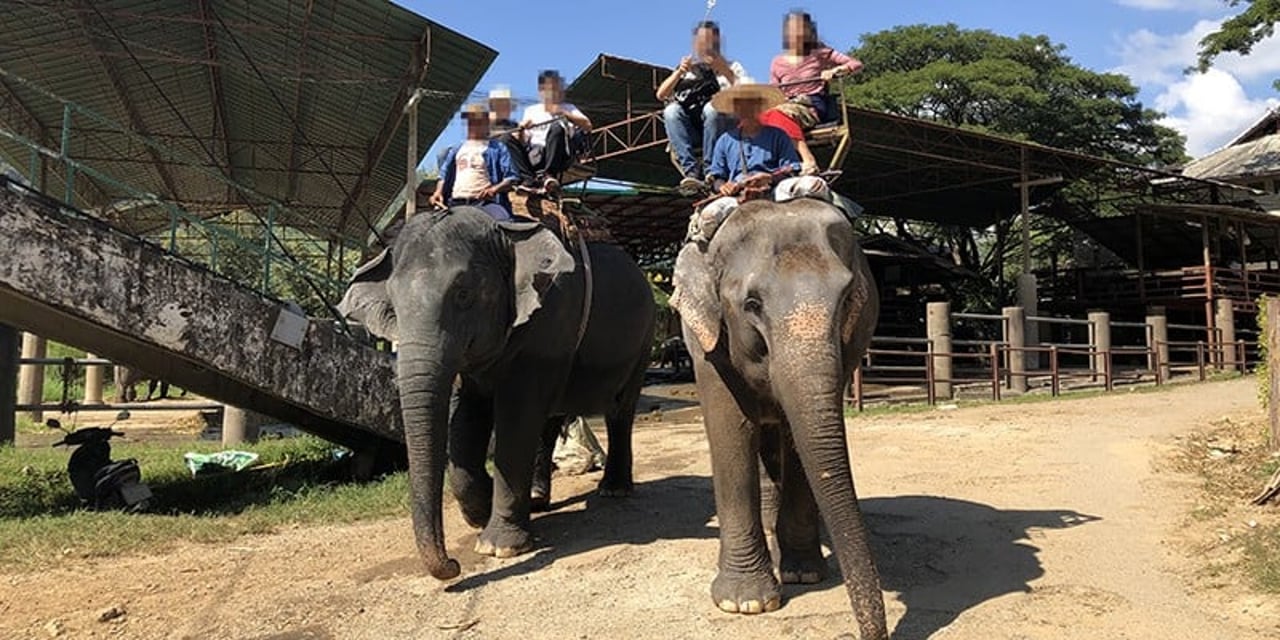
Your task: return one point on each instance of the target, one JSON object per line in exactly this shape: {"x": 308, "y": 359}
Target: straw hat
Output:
{"x": 475, "y": 110}
{"x": 768, "y": 95}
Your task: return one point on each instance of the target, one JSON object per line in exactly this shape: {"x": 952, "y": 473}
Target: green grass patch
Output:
{"x": 1262, "y": 558}
{"x": 296, "y": 481}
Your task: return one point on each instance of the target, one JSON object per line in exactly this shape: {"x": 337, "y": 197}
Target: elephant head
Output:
{"x": 450, "y": 290}
{"x": 781, "y": 305}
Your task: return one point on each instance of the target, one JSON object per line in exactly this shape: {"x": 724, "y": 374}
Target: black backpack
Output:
{"x": 694, "y": 93}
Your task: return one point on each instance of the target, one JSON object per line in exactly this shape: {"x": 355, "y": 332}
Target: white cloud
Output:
{"x": 1172, "y": 5}
{"x": 1208, "y": 108}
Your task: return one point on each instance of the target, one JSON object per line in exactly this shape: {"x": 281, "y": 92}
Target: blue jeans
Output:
{"x": 683, "y": 129}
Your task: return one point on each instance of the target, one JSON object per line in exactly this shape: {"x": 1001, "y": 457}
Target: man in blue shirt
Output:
{"x": 479, "y": 172}
{"x": 752, "y": 149}
{"x": 750, "y": 160}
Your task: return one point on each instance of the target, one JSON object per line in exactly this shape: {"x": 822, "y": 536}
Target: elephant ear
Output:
{"x": 367, "y": 300}
{"x": 695, "y": 296}
{"x": 540, "y": 258}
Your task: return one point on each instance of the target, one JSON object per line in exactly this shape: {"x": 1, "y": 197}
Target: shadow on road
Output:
{"x": 942, "y": 556}
{"x": 945, "y": 556}
{"x": 672, "y": 508}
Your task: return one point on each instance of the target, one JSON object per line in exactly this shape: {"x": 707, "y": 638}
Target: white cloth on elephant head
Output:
{"x": 704, "y": 222}
{"x": 577, "y": 450}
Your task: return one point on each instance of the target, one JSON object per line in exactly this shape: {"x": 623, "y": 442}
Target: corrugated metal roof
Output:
{"x": 299, "y": 100}
{"x": 1260, "y": 157}
{"x": 906, "y": 167}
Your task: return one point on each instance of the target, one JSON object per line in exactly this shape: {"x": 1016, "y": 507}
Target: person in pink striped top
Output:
{"x": 803, "y": 71}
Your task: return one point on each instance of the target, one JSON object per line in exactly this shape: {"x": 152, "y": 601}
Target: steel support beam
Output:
{"x": 217, "y": 97}
{"x": 413, "y": 77}
{"x": 299, "y": 97}
{"x": 122, "y": 94}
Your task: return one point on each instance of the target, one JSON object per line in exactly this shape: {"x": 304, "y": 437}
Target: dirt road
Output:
{"x": 1048, "y": 520}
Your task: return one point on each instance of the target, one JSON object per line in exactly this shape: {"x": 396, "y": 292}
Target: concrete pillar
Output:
{"x": 1015, "y": 335}
{"x": 31, "y": 377}
{"x": 239, "y": 426}
{"x": 1225, "y": 321}
{"x": 1158, "y": 336}
{"x": 1029, "y": 300}
{"x": 93, "y": 382}
{"x": 1100, "y": 340}
{"x": 938, "y": 330}
{"x": 9, "y": 350}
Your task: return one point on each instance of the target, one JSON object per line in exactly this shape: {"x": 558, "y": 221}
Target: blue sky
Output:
{"x": 1151, "y": 40}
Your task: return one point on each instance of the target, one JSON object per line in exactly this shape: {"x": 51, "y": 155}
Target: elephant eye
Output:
{"x": 463, "y": 297}
{"x": 752, "y": 305}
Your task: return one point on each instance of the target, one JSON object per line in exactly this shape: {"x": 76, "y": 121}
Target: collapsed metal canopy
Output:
{"x": 298, "y": 100}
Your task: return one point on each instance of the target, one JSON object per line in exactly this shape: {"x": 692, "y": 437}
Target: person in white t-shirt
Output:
{"x": 478, "y": 172}
{"x": 554, "y": 128}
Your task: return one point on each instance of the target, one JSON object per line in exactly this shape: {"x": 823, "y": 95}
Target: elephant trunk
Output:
{"x": 808, "y": 378}
{"x": 425, "y": 377}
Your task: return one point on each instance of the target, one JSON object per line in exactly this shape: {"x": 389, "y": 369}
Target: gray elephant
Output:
{"x": 778, "y": 308}
{"x": 128, "y": 377}
{"x": 501, "y": 305}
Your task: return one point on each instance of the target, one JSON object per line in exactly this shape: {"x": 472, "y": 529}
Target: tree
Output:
{"x": 1024, "y": 87}
{"x": 1241, "y": 32}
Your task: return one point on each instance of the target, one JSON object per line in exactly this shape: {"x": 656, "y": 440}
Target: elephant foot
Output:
{"x": 474, "y": 495}
{"x": 802, "y": 568}
{"x": 748, "y": 593}
{"x": 506, "y": 543}
{"x": 611, "y": 488}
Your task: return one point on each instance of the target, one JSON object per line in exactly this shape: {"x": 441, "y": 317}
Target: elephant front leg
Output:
{"x": 798, "y": 523}
{"x": 521, "y": 417}
{"x": 745, "y": 583}
{"x": 470, "y": 430}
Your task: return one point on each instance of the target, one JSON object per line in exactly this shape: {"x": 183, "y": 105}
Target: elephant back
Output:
{"x": 569, "y": 218}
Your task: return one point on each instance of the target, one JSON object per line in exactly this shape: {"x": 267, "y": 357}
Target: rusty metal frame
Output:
{"x": 413, "y": 77}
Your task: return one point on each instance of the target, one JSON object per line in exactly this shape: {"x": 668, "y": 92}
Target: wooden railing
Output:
{"x": 1103, "y": 287}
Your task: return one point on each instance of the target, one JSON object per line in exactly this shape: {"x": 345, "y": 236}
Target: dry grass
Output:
{"x": 1236, "y": 539}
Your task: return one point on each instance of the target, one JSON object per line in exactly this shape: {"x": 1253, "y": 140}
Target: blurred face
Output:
{"x": 551, "y": 91}
{"x": 477, "y": 127}
{"x": 796, "y": 33}
{"x": 748, "y": 108}
{"x": 706, "y": 42}
{"x": 500, "y": 108}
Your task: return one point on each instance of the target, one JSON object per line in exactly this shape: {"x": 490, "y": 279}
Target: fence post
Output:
{"x": 1055, "y": 381}
{"x": 938, "y": 322}
{"x": 857, "y": 387}
{"x": 1099, "y": 340}
{"x": 238, "y": 426}
{"x": 1273, "y": 370}
{"x": 995, "y": 372}
{"x": 92, "y": 382}
{"x": 9, "y": 350}
{"x": 1015, "y": 335}
{"x": 1029, "y": 300}
{"x": 1158, "y": 337}
{"x": 31, "y": 376}
{"x": 1225, "y": 320}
